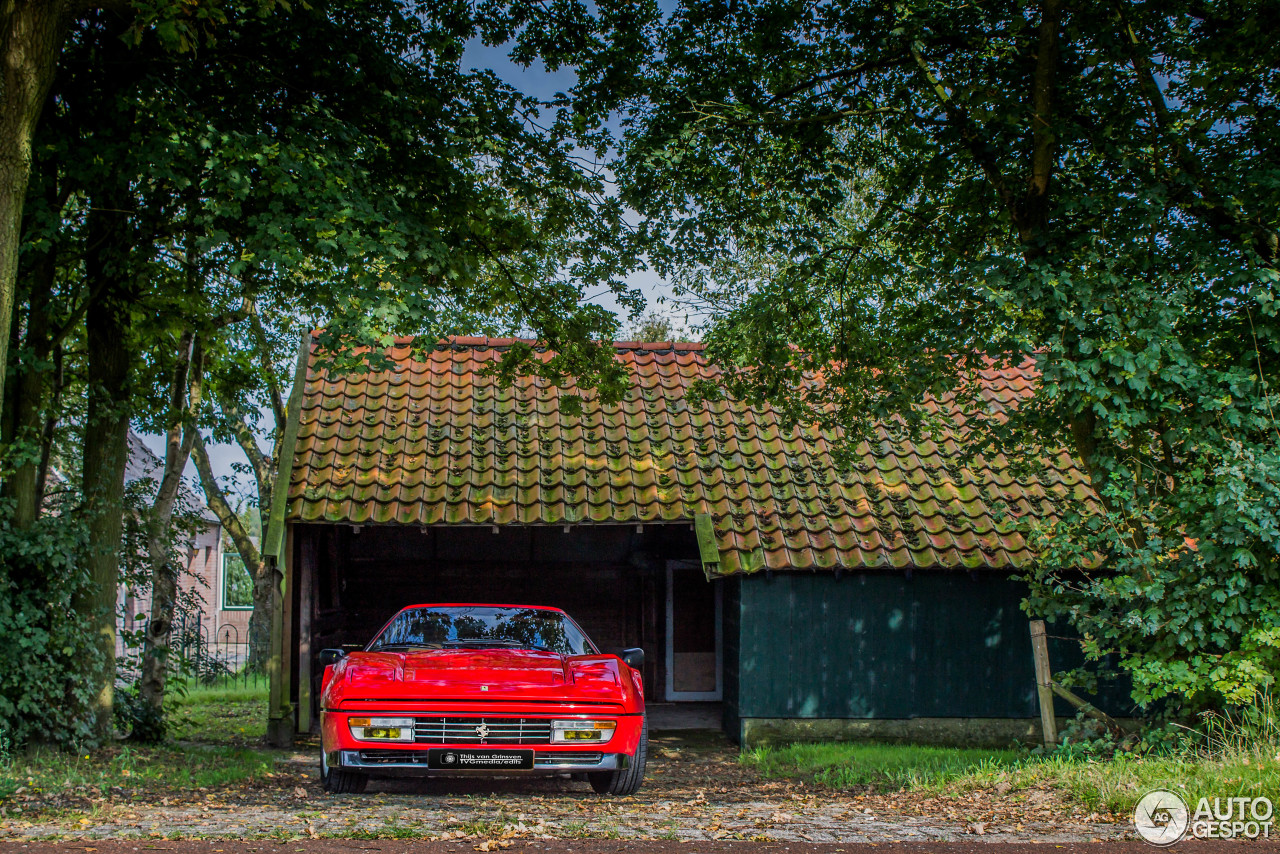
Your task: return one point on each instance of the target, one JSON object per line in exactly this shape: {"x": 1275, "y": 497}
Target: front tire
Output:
{"x": 624, "y": 782}
{"x": 339, "y": 782}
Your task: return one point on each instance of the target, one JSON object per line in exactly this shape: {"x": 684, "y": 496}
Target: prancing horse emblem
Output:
{"x": 482, "y": 731}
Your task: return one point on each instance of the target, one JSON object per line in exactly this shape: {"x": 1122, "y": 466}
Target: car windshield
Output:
{"x": 456, "y": 627}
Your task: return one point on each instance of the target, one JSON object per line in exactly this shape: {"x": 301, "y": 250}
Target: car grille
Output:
{"x": 403, "y": 757}
{"x": 482, "y": 731}
{"x": 550, "y": 760}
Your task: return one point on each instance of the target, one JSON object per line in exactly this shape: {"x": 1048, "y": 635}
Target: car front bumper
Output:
{"x": 342, "y": 750}
{"x": 410, "y": 762}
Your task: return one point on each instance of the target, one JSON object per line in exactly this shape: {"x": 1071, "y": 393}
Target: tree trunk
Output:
{"x": 264, "y": 587}
{"x": 106, "y": 441}
{"x": 185, "y": 386}
{"x": 53, "y": 412}
{"x": 266, "y": 583}
{"x": 28, "y": 393}
{"x": 7, "y": 397}
{"x": 31, "y": 36}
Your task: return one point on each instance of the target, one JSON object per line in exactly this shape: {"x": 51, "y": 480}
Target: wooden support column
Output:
{"x": 1044, "y": 683}
{"x": 306, "y": 614}
{"x": 277, "y": 549}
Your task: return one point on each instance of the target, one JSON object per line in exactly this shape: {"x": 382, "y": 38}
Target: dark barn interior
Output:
{"x": 612, "y": 579}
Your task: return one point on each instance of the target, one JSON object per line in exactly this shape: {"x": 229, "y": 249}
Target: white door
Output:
{"x": 694, "y": 667}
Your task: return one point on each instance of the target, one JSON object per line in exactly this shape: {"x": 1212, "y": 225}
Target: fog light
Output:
{"x": 598, "y": 732}
{"x": 381, "y": 729}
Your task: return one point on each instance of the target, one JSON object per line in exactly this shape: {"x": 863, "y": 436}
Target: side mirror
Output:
{"x": 634, "y": 657}
{"x": 327, "y": 657}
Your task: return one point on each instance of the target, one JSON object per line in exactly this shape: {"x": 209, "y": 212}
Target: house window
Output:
{"x": 237, "y": 586}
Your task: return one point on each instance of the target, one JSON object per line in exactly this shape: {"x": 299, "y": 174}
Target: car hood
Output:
{"x": 479, "y": 674}
{"x": 512, "y": 668}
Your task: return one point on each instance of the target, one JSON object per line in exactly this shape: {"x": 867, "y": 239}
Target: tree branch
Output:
{"x": 978, "y": 148}
{"x": 217, "y": 502}
{"x": 262, "y": 468}
{"x": 187, "y": 384}
{"x": 1222, "y": 214}
{"x": 268, "y": 369}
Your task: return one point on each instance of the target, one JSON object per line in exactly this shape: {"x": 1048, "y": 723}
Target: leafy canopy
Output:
{"x": 872, "y": 190}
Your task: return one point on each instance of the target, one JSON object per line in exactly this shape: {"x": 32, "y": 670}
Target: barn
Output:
{"x": 804, "y": 601}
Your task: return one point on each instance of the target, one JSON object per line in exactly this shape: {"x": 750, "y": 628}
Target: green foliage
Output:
{"x": 41, "y": 571}
{"x": 1190, "y": 598}
{"x": 141, "y": 721}
{"x": 895, "y": 196}
{"x": 337, "y": 164}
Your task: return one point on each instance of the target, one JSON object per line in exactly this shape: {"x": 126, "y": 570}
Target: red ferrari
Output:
{"x": 482, "y": 689}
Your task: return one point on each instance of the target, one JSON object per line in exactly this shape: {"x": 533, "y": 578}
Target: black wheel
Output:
{"x": 339, "y": 782}
{"x": 627, "y": 782}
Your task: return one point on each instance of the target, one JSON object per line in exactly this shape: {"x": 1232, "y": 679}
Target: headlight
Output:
{"x": 564, "y": 732}
{"x": 381, "y": 729}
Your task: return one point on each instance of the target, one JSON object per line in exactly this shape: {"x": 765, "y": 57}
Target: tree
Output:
{"x": 32, "y": 35}
{"x": 334, "y": 162}
{"x": 1092, "y": 186}
{"x": 656, "y": 326}
{"x": 252, "y": 376}
{"x": 182, "y": 419}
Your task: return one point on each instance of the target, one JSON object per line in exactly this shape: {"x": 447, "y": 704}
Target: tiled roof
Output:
{"x": 438, "y": 442}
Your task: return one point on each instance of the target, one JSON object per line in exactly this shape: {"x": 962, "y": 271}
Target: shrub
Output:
{"x": 45, "y": 641}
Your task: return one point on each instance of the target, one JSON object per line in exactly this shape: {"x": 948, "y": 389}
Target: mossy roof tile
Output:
{"x": 435, "y": 441}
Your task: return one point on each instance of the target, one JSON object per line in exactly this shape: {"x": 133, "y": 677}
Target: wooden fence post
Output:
{"x": 1044, "y": 683}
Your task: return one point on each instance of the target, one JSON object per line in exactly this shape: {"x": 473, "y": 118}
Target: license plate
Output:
{"x": 480, "y": 760}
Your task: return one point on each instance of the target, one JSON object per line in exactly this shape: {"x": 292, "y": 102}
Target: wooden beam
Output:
{"x": 305, "y": 576}
{"x": 280, "y": 722}
{"x": 1044, "y": 683}
{"x": 708, "y": 549}
{"x": 1087, "y": 708}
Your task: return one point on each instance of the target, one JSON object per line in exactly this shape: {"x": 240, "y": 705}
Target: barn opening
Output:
{"x": 625, "y": 585}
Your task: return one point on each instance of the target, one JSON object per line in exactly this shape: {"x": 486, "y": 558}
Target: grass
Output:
{"x": 45, "y": 769}
{"x": 1234, "y": 755}
{"x": 214, "y": 741}
{"x": 233, "y": 713}
{"x": 885, "y": 767}
{"x": 1117, "y": 784}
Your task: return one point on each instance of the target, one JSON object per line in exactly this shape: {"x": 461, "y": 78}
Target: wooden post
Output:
{"x": 281, "y": 721}
{"x": 1044, "y": 683}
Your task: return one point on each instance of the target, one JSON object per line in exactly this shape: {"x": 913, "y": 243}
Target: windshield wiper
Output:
{"x": 513, "y": 644}
{"x": 406, "y": 645}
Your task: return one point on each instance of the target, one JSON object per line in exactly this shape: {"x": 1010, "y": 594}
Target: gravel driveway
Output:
{"x": 695, "y": 790}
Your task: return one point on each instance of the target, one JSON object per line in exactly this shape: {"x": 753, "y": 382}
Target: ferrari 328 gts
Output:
{"x": 482, "y": 689}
